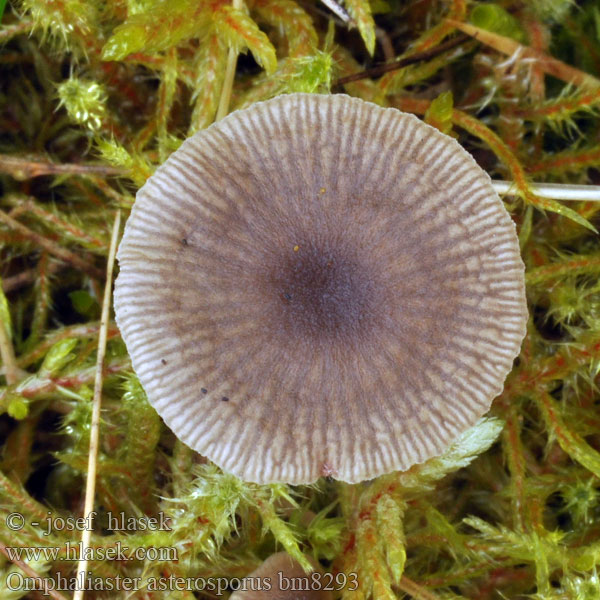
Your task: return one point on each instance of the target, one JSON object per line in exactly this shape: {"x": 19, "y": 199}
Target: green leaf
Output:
{"x": 492, "y": 17}
{"x": 163, "y": 27}
{"x": 569, "y": 213}
{"x": 283, "y": 533}
{"x": 464, "y": 450}
{"x": 389, "y": 518}
{"x": 18, "y": 407}
{"x": 360, "y": 11}
{"x": 310, "y": 74}
{"x": 241, "y": 32}
{"x": 5, "y": 318}
{"x": 439, "y": 113}
{"x": 84, "y": 303}
{"x": 58, "y": 356}
{"x": 128, "y": 38}
{"x": 297, "y": 24}
{"x": 84, "y": 101}
{"x": 380, "y": 7}
{"x": 569, "y": 440}
{"x": 325, "y": 534}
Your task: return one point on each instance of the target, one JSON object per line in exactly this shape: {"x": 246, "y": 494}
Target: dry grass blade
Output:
{"x": 95, "y": 428}
{"x": 7, "y": 353}
{"x": 26, "y": 168}
{"x": 557, "y": 191}
{"x": 548, "y": 64}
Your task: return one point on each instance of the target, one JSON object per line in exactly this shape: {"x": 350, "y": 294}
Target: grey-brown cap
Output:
{"x": 320, "y": 286}
{"x": 280, "y": 577}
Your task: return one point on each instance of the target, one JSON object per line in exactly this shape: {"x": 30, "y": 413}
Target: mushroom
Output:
{"x": 280, "y": 577}
{"x": 317, "y": 285}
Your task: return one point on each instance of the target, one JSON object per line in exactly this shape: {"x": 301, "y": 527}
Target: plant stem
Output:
{"x": 26, "y": 168}
{"x": 90, "y": 488}
{"x": 558, "y": 191}
{"x": 51, "y": 247}
{"x": 11, "y": 371}
{"x": 415, "y": 590}
{"x": 229, "y": 74}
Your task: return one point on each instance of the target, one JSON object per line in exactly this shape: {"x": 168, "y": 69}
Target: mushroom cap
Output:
{"x": 317, "y": 285}
{"x": 280, "y": 577}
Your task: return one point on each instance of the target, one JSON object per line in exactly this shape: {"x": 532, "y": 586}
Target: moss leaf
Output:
{"x": 360, "y": 11}
{"x": 241, "y": 32}
{"x": 164, "y": 26}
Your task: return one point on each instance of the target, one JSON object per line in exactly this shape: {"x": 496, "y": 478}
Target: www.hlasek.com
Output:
{"x": 216, "y": 585}
{"x": 75, "y": 552}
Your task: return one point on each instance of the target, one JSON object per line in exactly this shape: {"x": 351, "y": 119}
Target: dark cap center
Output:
{"x": 323, "y": 291}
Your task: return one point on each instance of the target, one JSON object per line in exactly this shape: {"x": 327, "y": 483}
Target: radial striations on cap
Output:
{"x": 320, "y": 286}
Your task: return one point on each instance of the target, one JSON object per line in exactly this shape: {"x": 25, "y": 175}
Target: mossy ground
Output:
{"x": 95, "y": 94}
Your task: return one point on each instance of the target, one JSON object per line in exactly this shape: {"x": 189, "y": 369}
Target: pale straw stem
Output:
{"x": 90, "y": 488}
{"x": 557, "y": 191}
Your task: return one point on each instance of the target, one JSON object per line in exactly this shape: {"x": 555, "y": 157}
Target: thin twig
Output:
{"x": 9, "y": 31}
{"x": 545, "y": 62}
{"x": 10, "y": 284}
{"x": 415, "y": 590}
{"x": 74, "y": 233}
{"x": 32, "y": 574}
{"x": 35, "y": 387}
{"x": 51, "y": 247}
{"x": 81, "y": 330}
{"x": 229, "y": 74}
{"x": 558, "y": 191}
{"x": 26, "y": 168}
{"x": 403, "y": 62}
{"x": 7, "y": 353}
{"x": 90, "y": 488}
{"x": 339, "y": 11}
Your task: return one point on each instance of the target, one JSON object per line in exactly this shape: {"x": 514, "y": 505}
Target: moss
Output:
{"x": 93, "y": 96}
